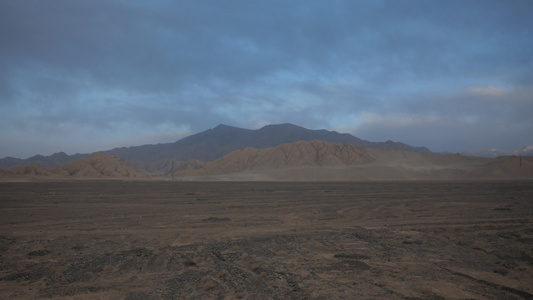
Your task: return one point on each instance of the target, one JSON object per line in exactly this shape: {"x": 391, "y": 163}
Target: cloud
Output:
{"x": 119, "y": 69}
{"x": 488, "y": 91}
{"x": 478, "y": 117}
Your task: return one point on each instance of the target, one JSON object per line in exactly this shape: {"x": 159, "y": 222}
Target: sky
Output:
{"x": 90, "y": 75}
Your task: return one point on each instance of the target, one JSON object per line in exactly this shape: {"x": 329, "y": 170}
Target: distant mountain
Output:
{"x": 214, "y": 143}
{"x": 98, "y": 165}
{"x": 32, "y": 169}
{"x": 525, "y": 151}
{"x": 302, "y": 153}
{"x": 319, "y": 160}
{"x": 492, "y": 153}
{"x": 43, "y": 161}
{"x": 303, "y": 160}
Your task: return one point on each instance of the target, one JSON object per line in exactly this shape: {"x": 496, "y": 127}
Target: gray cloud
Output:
{"x": 476, "y": 118}
{"x": 130, "y": 72}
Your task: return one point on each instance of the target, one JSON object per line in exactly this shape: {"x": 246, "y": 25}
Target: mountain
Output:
{"x": 525, "y": 151}
{"x": 487, "y": 152}
{"x": 32, "y": 169}
{"x": 302, "y": 153}
{"x": 303, "y": 160}
{"x": 43, "y": 161}
{"x": 98, "y": 165}
{"x": 319, "y": 160}
{"x": 214, "y": 143}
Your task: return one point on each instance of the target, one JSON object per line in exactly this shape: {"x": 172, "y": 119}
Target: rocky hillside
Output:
{"x": 32, "y": 169}
{"x": 303, "y": 153}
{"x": 291, "y": 155}
{"x": 323, "y": 161}
{"x": 98, "y": 165}
{"x": 215, "y": 143}
{"x": 212, "y": 144}
{"x": 43, "y": 161}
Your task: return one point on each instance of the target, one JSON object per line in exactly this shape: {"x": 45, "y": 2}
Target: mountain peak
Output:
{"x": 223, "y": 127}
{"x": 282, "y": 125}
{"x": 214, "y": 143}
{"x": 59, "y": 155}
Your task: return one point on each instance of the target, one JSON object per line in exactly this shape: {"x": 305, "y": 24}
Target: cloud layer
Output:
{"x": 81, "y": 76}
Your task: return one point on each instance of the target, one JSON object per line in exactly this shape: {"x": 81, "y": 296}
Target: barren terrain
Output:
{"x": 323, "y": 161}
{"x": 266, "y": 240}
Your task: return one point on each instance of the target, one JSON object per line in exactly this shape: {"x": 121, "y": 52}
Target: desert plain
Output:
{"x": 146, "y": 239}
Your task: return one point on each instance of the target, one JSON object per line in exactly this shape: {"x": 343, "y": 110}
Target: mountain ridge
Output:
{"x": 301, "y": 153}
{"x": 302, "y": 160}
{"x": 97, "y": 165}
{"x": 319, "y": 160}
{"x": 493, "y": 153}
{"x": 212, "y": 144}
{"x": 43, "y": 161}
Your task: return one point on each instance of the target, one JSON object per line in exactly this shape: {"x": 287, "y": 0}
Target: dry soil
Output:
{"x": 266, "y": 240}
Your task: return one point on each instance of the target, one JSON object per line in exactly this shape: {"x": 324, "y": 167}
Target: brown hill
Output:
{"x": 32, "y": 170}
{"x": 98, "y": 165}
{"x": 406, "y": 165}
{"x": 215, "y": 143}
{"x": 302, "y": 153}
{"x": 210, "y": 145}
{"x": 292, "y": 155}
{"x": 4, "y": 173}
{"x": 318, "y": 160}
{"x": 505, "y": 167}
